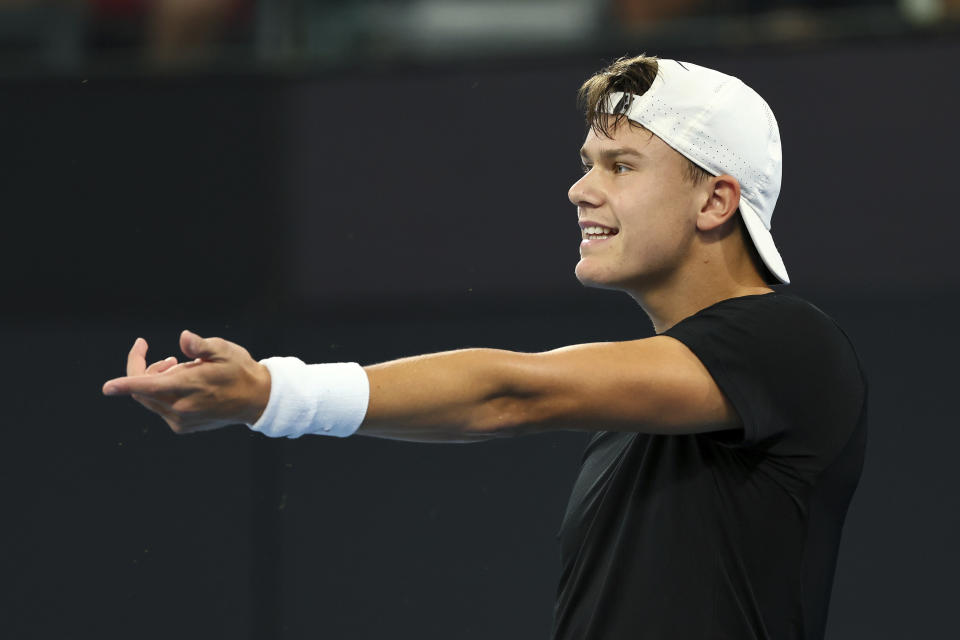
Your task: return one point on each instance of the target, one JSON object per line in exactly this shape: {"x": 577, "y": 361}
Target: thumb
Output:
{"x": 193, "y": 346}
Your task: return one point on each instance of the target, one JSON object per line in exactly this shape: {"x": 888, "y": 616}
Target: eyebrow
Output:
{"x": 611, "y": 154}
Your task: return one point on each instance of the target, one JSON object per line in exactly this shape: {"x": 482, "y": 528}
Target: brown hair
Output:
{"x": 629, "y": 75}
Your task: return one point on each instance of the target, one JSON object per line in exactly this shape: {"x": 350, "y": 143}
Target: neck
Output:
{"x": 696, "y": 285}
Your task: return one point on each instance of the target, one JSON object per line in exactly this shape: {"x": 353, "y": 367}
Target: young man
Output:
{"x": 726, "y": 448}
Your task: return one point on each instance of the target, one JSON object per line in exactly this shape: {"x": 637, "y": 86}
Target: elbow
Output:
{"x": 506, "y": 416}
{"x": 514, "y": 405}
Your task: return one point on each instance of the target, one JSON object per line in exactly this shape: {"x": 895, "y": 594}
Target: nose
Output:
{"x": 583, "y": 192}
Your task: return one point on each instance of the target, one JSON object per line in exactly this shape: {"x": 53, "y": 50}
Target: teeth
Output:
{"x": 593, "y": 233}
{"x": 597, "y": 231}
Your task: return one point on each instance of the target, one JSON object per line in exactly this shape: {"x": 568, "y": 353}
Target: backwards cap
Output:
{"x": 723, "y": 126}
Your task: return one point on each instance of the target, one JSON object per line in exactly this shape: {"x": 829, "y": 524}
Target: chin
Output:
{"x": 595, "y": 281}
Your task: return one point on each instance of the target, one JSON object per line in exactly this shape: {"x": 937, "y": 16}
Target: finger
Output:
{"x": 193, "y": 346}
{"x": 162, "y": 410}
{"x": 168, "y": 385}
{"x": 161, "y": 365}
{"x": 153, "y": 405}
{"x": 137, "y": 358}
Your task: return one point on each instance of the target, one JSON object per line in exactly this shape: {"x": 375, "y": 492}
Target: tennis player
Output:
{"x": 724, "y": 450}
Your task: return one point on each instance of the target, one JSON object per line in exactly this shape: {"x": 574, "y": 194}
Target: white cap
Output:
{"x": 723, "y": 126}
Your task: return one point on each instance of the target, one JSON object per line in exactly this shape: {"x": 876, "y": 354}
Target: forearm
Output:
{"x": 454, "y": 396}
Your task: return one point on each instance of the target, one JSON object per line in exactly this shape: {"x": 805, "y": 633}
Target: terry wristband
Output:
{"x": 327, "y": 399}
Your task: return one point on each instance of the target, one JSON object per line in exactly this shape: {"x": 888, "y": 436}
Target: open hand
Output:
{"x": 220, "y": 385}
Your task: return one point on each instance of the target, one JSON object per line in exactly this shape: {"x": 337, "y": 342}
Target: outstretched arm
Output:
{"x": 653, "y": 385}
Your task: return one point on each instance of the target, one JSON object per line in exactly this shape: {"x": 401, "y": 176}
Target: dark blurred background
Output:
{"x": 359, "y": 181}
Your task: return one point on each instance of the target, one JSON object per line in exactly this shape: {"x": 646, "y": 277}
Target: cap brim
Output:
{"x": 763, "y": 241}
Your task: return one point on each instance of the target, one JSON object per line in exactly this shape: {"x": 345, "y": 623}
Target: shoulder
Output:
{"x": 780, "y": 304}
{"x": 780, "y": 321}
{"x": 784, "y": 364}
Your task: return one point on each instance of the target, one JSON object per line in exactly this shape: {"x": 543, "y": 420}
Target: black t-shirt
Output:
{"x": 727, "y": 535}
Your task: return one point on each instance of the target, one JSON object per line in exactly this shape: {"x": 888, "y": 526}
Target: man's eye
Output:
{"x": 620, "y": 168}
{"x": 585, "y": 167}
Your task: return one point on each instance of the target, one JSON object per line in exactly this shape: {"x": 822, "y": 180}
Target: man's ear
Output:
{"x": 721, "y": 200}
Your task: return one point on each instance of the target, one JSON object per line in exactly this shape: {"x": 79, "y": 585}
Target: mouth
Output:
{"x": 597, "y": 232}
{"x": 593, "y": 233}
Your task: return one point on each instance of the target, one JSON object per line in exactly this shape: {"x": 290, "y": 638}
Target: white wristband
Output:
{"x": 327, "y": 399}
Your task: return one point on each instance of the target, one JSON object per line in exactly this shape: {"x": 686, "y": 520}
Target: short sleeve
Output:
{"x": 789, "y": 371}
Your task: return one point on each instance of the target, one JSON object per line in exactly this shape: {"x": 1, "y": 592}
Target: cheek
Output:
{"x": 643, "y": 223}
{"x": 655, "y": 240}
